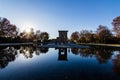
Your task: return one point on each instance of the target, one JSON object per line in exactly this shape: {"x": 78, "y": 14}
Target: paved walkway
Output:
{"x": 70, "y": 45}
{"x": 15, "y": 44}
{"x": 106, "y": 45}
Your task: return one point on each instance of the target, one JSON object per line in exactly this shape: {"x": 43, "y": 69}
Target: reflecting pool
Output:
{"x": 33, "y": 63}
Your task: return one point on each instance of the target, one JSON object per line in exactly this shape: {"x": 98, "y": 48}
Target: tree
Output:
{"x": 44, "y": 36}
{"x": 75, "y": 36}
{"x": 38, "y": 35}
{"x": 116, "y": 26}
{"x": 103, "y": 33}
{"x": 86, "y": 36}
{"x": 96, "y": 38}
{"x": 7, "y": 29}
{"x": 28, "y": 35}
{"x": 31, "y": 34}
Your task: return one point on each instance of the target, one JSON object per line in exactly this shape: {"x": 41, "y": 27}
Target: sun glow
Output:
{"x": 27, "y": 30}
{"x": 27, "y": 26}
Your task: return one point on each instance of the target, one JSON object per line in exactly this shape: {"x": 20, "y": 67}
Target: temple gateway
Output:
{"x": 62, "y": 37}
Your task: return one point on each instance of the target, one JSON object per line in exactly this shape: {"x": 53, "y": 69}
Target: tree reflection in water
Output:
{"x": 116, "y": 64}
{"x": 8, "y": 54}
{"x": 86, "y": 52}
{"x": 27, "y": 51}
{"x": 39, "y": 51}
{"x": 102, "y": 54}
{"x": 75, "y": 51}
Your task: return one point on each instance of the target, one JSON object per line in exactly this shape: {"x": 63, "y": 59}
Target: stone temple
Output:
{"x": 62, "y": 37}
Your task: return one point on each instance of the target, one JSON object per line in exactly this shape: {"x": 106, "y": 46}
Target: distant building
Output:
{"x": 62, "y": 36}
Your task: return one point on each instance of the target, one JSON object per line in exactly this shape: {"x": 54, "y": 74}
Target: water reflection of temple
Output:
{"x": 62, "y": 54}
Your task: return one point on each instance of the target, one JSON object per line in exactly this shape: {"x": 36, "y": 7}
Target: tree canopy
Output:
{"x": 116, "y": 26}
{"x": 7, "y": 29}
{"x": 103, "y": 33}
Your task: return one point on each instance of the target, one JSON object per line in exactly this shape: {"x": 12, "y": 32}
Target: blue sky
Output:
{"x": 54, "y": 15}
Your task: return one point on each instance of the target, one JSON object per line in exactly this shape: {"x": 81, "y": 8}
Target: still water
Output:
{"x": 32, "y": 63}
